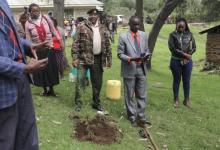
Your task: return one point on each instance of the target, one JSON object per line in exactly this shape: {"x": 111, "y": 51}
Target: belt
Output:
{"x": 98, "y": 55}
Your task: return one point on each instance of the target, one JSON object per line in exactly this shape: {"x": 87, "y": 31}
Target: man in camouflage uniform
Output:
{"x": 91, "y": 50}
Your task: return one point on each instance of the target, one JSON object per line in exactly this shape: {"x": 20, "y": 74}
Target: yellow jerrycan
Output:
{"x": 113, "y": 90}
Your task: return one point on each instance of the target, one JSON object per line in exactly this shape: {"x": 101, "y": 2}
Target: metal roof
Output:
{"x": 210, "y": 29}
{"x": 49, "y": 3}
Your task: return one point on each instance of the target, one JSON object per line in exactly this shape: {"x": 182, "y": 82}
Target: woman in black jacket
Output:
{"x": 182, "y": 45}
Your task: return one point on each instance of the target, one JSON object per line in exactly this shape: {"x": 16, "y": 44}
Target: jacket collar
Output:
{"x": 89, "y": 25}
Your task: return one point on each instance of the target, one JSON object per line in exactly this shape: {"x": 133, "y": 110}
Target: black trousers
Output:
{"x": 96, "y": 78}
{"x": 18, "y": 129}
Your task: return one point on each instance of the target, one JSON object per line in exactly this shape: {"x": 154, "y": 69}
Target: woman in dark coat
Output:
{"x": 182, "y": 46}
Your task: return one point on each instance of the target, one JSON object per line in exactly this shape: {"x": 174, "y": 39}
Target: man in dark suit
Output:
{"x": 133, "y": 52}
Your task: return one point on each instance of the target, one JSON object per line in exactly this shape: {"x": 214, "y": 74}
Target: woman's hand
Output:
{"x": 75, "y": 63}
{"x": 33, "y": 51}
{"x": 35, "y": 47}
{"x": 187, "y": 56}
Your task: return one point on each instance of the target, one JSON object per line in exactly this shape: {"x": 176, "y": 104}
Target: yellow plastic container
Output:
{"x": 113, "y": 90}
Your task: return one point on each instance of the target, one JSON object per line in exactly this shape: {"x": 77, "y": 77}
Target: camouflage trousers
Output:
{"x": 96, "y": 72}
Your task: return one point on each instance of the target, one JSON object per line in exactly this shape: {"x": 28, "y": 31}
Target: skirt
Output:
{"x": 49, "y": 76}
{"x": 60, "y": 59}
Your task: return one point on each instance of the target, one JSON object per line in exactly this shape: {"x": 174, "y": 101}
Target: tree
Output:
{"x": 167, "y": 9}
{"x": 151, "y": 6}
{"x": 128, "y": 3}
{"x": 211, "y": 10}
{"x": 181, "y": 9}
{"x": 58, "y": 12}
{"x": 139, "y": 12}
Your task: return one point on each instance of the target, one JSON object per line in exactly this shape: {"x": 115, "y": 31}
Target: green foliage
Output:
{"x": 128, "y": 3}
{"x": 127, "y": 7}
{"x": 151, "y": 6}
{"x": 192, "y": 10}
{"x": 122, "y": 7}
{"x": 181, "y": 9}
{"x": 189, "y": 9}
{"x": 199, "y": 10}
{"x": 211, "y": 10}
{"x": 110, "y": 5}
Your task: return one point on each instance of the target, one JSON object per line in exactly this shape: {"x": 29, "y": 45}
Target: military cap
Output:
{"x": 93, "y": 11}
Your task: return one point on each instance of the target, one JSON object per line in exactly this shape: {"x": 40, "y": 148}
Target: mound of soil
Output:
{"x": 100, "y": 130}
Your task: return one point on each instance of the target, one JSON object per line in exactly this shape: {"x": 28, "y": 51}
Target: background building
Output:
{"x": 73, "y": 8}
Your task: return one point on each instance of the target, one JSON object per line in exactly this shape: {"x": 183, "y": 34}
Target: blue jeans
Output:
{"x": 181, "y": 70}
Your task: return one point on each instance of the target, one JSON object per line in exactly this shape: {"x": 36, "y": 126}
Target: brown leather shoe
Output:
{"x": 176, "y": 103}
{"x": 186, "y": 103}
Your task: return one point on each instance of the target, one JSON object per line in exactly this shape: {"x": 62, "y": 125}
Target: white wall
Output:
{"x": 77, "y": 11}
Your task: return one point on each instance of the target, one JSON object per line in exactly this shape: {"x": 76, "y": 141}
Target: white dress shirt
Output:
{"x": 96, "y": 39}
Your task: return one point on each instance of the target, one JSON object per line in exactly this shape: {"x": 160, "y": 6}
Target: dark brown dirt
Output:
{"x": 100, "y": 130}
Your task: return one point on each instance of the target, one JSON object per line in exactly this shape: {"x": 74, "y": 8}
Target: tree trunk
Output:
{"x": 139, "y": 13}
{"x": 168, "y": 8}
{"x": 58, "y": 12}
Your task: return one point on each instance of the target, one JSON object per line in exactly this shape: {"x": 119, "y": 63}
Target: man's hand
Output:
{"x": 35, "y": 65}
{"x": 75, "y": 63}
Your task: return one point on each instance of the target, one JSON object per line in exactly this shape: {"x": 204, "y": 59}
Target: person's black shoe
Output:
{"x": 52, "y": 93}
{"x": 134, "y": 123}
{"x": 44, "y": 94}
{"x": 144, "y": 122}
{"x": 142, "y": 134}
{"x": 97, "y": 107}
{"x": 78, "y": 108}
{"x": 176, "y": 104}
{"x": 186, "y": 103}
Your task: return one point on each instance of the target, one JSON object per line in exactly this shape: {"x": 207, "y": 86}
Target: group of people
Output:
{"x": 92, "y": 50}
{"x": 42, "y": 40}
{"x": 111, "y": 24}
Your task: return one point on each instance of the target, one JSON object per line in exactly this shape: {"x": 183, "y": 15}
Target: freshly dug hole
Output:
{"x": 100, "y": 130}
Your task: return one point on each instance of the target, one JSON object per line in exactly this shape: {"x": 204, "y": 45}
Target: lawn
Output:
{"x": 197, "y": 128}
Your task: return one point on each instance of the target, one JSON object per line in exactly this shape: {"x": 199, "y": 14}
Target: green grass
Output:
{"x": 197, "y": 128}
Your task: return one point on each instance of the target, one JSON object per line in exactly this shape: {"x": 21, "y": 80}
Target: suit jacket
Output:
{"x": 126, "y": 49}
{"x": 10, "y": 70}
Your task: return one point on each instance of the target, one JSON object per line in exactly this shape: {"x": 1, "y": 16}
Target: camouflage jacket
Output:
{"x": 82, "y": 48}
